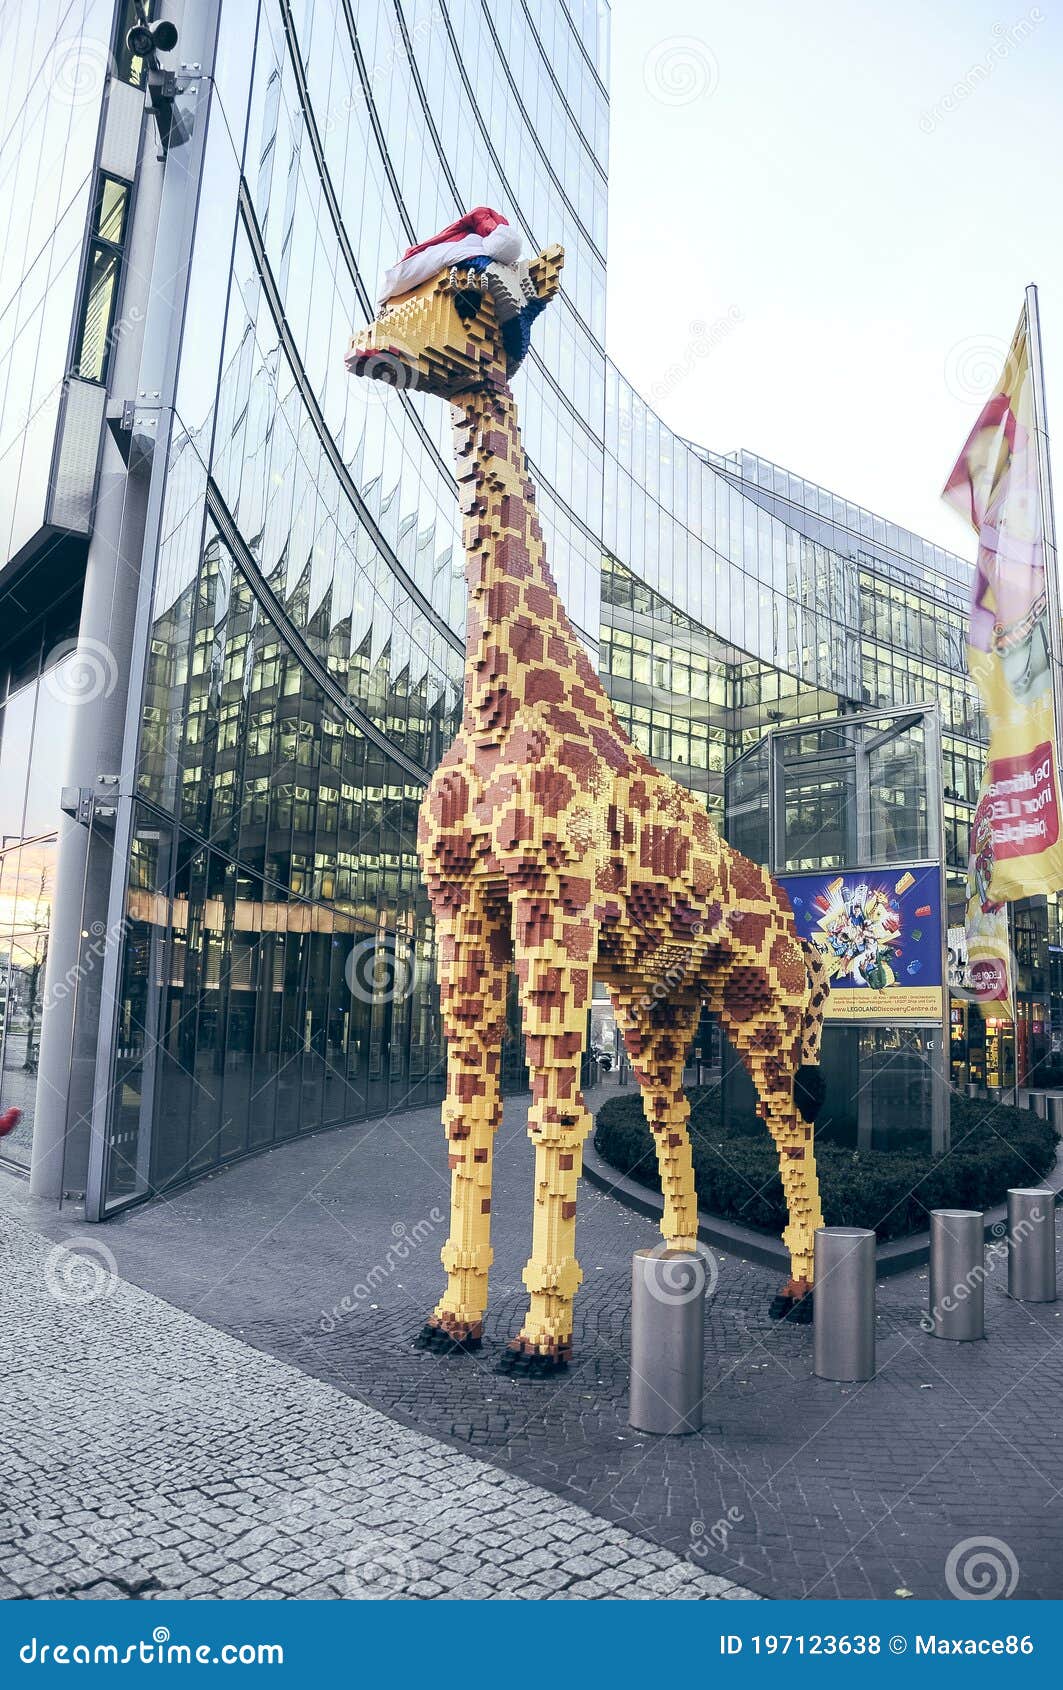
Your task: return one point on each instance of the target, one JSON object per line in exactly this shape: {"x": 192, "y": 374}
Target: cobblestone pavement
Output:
{"x": 146, "y": 1454}
{"x": 326, "y": 1253}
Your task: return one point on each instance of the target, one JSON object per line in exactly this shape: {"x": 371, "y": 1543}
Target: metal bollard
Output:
{"x": 843, "y": 1330}
{"x": 1032, "y": 1245}
{"x": 667, "y": 1340}
{"x": 957, "y": 1274}
{"x": 1039, "y": 1104}
{"x": 1055, "y": 1111}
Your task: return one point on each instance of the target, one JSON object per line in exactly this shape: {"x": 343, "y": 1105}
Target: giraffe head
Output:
{"x": 466, "y": 327}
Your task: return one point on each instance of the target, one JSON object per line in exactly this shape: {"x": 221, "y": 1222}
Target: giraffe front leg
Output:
{"x": 474, "y": 955}
{"x": 554, "y": 938}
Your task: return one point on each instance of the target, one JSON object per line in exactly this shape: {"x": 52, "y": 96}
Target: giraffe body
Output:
{"x": 551, "y": 846}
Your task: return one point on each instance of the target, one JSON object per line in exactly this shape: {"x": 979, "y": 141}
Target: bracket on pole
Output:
{"x": 89, "y": 804}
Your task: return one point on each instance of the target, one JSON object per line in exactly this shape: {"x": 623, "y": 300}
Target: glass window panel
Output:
{"x": 142, "y": 994}
{"x": 173, "y": 1097}
{"x": 100, "y": 295}
{"x": 111, "y": 211}
{"x": 208, "y": 947}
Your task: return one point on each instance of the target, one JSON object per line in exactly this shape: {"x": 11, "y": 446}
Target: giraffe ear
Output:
{"x": 545, "y": 272}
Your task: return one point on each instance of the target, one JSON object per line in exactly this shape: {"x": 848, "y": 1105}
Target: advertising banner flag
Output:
{"x": 880, "y": 934}
{"x": 1012, "y": 644}
{"x": 990, "y": 980}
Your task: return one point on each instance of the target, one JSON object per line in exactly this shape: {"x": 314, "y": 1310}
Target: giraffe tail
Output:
{"x": 809, "y": 1088}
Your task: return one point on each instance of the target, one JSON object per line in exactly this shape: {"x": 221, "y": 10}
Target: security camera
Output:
{"x": 147, "y": 40}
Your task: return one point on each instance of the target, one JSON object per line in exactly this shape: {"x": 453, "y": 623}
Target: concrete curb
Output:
{"x": 895, "y": 1256}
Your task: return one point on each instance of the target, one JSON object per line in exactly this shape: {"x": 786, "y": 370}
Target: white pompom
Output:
{"x": 503, "y": 244}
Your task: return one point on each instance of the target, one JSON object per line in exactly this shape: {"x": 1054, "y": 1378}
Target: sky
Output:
{"x": 822, "y": 219}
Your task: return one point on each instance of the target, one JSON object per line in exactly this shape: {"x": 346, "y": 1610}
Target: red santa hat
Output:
{"x": 480, "y": 233}
{"x": 481, "y": 220}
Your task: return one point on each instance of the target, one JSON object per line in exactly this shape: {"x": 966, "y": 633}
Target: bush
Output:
{"x": 736, "y": 1170}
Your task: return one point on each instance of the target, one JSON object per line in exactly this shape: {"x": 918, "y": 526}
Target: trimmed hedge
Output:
{"x": 736, "y": 1171}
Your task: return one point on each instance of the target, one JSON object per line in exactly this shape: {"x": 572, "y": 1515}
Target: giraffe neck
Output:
{"x": 518, "y": 638}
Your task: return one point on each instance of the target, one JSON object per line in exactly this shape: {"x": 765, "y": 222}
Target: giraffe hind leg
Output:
{"x": 795, "y": 1301}
{"x": 809, "y": 1088}
{"x": 657, "y": 1036}
{"x": 769, "y": 1052}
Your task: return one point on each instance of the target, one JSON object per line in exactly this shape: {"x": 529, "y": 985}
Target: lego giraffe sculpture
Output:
{"x": 552, "y": 846}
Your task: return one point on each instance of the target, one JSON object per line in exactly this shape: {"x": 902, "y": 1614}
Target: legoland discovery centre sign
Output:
{"x": 879, "y": 931}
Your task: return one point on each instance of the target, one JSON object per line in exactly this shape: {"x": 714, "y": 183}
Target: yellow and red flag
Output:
{"x": 1016, "y": 849}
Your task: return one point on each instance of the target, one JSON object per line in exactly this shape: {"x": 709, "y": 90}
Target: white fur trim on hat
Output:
{"x": 502, "y": 244}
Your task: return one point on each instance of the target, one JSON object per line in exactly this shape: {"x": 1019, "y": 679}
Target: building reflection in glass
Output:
{"x": 277, "y": 931}
{"x": 37, "y": 695}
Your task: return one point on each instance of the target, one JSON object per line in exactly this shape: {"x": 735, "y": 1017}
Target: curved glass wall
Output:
{"x": 307, "y": 640}
{"x": 276, "y": 928}
{"x": 308, "y": 607}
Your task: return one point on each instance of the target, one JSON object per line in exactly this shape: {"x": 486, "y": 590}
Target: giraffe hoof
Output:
{"x": 516, "y": 1362}
{"x": 448, "y": 1340}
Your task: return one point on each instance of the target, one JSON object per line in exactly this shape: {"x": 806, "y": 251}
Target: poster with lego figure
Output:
{"x": 880, "y": 933}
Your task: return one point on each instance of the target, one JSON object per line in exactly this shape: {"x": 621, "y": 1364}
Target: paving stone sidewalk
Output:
{"x": 326, "y": 1253}
{"x": 146, "y": 1455}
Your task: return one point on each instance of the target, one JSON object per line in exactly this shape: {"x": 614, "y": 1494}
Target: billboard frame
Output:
{"x": 895, "y": 720}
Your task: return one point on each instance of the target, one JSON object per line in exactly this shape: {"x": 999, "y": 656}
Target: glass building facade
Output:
{"x": 261, "y": 559}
